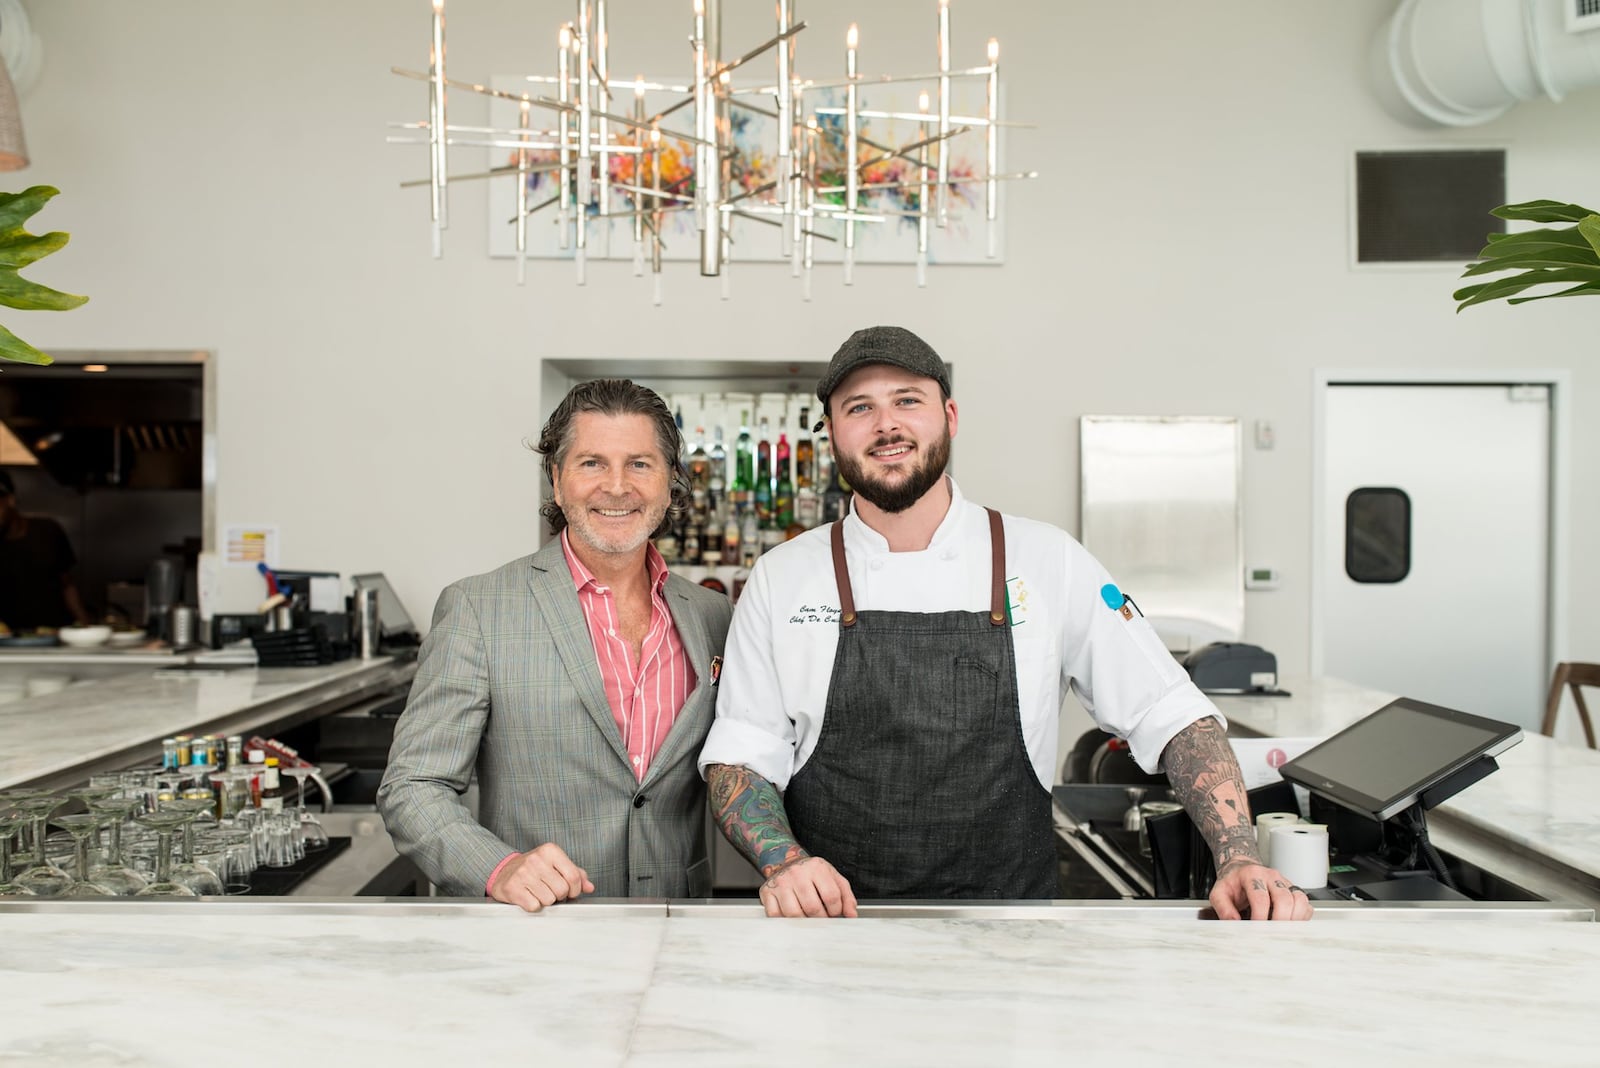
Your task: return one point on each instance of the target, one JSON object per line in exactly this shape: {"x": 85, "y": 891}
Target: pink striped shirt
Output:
{"x": 645, "y": 697}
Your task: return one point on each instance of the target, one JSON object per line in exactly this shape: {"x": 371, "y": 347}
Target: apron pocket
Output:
{"x": 975, "y": 696}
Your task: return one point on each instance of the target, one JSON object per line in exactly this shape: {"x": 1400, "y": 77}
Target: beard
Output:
{"x": 898, "y": 492}
{"x": 622, "y": 541}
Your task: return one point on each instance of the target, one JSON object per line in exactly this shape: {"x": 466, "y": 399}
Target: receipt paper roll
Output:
{"x": 1300, "y": 853}
{"x": 1264, "y": 824}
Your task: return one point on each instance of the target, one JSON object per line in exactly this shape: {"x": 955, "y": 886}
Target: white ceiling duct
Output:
{"x": 1465, "y": 62}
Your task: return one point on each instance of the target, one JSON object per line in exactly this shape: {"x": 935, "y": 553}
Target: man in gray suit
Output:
{"x": 577, "y": 681}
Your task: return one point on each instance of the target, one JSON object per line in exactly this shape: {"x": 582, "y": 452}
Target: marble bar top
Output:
{"x": 1541, "y": 801}
{"x": 53, "y": 739}
{"x": 101, "y": 985}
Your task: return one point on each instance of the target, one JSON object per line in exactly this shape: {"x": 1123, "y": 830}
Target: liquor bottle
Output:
{"x": 807, "y": 508}
{"x": 764, "y": 456}
{"x": 730, "y": 536}
{"x": 750, "y": 534}
{"x": 719, "y": 466}
{"x": 744, "y": 460}
{"x": 699, "y": 461}
{"x": 836, "y": 498}
{"x": 823, "y": 472}
{"x": 742, "y": 575}
{"x": 272, "y": 789}
{"x": 683, "y": 439}
{"x": 804, "y": 453}
{"x": 783, "y": 487}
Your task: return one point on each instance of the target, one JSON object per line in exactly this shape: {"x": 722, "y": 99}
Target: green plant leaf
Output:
{"x": 1504, "y": 287}
{"x": 1542, "y": 211}
{"x": 18, "y": 208}
{"x": 1592, "y": 287}
{"x": 17, "y": 292}
{"x": 14, "y": 348}
{"x": 1552, "y": 256}
{"x": 1564, "y": 236}
{"x": 21, "y": 249}
{"x": 1590, "y": 230}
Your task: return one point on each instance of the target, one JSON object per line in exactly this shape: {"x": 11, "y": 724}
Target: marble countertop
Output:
{"x": 50, "y": 738}
{"x": 1541, "y": 801}
{"x": 114, "y": 985}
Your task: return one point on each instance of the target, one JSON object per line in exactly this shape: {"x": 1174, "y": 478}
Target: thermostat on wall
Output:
{"x": 1261, "y": 578}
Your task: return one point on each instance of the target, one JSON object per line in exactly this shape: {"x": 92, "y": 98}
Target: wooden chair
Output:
{"x": 1572, "y": 676}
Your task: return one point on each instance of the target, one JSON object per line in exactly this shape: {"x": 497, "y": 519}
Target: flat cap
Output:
{"x": 893, "y": 345}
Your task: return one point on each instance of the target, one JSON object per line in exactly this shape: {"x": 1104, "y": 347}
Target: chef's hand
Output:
{"x": 540, "y": 877}
{"x": 1249, "y": 886}
{"x": 808, "y": 886}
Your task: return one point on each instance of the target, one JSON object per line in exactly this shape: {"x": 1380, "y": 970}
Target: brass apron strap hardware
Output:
{"x": 997, "y": 548}
{"x": 841, "y": 575}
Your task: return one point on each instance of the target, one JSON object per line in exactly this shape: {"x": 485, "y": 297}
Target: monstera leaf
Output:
{"x": 1565, "y": 255}
{"x": 18, "y": 248}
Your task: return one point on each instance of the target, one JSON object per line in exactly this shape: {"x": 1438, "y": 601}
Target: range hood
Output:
{"x": 135, "y": 427}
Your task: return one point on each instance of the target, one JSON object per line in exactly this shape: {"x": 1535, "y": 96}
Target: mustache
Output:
{"x": 898, "y": 439}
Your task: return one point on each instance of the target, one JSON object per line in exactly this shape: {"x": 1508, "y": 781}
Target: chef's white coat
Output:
{"x": 780, "y": 651}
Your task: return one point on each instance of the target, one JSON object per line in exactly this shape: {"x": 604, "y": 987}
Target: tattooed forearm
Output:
{"x": 1205, "y": 777}
{"x": 750, "y": 812}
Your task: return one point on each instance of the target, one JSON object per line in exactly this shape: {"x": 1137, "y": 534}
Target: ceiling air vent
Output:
{"x": 1583, "y": 15}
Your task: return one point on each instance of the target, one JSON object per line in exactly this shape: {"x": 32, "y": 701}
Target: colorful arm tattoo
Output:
{"x": 1205, "y": 776}
{"x": 750, "y": 812}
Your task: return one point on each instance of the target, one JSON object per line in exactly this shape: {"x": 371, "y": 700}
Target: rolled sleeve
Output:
{"x": 1121, "y": 670}
{"x": 751, "y": 729}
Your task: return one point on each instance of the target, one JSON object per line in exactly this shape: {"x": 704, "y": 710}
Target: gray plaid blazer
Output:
{"x": 508, "y": 683}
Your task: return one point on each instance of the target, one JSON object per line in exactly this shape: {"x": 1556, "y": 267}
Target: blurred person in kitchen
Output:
{"x": 887, "y": 722}
{"x": 578, "y": 682}
{"x": 37, "y": 587}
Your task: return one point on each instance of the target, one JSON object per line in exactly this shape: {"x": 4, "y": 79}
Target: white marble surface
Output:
{"x": 480, "y": 983}
{"x": 1543, "y": 798}
{"x": 43, "y": 736}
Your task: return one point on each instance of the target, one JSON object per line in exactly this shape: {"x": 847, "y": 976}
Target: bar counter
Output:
{"x": 1538, "y": 811}
{"x": 107, "y": 723}
{"x": 156, "y": 983}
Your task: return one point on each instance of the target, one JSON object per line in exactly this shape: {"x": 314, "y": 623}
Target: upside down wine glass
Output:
{"x": 81, "y": 825}
{"x": 114, "y": 876}
{"x": 43, "y": 878}
{"x": 164, "y": 821}
{"x": 10, "y": 822}
{"x": 312, "y": 836}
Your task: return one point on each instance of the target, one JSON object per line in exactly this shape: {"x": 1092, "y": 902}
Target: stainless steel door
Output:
{"x": 1462, "y": 620}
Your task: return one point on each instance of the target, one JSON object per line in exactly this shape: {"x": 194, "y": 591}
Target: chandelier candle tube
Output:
{"x": 638, "y": 177}
{"x": 991, "y": 149}
{"x": 438, "y": 163}
{"x": 580, "y": 48}
{"x": 924, "y": 173}
{"x": 700, "y": 89}
{"x": 655, "y": 219}
{"x": 522, "y": 197}
{"x": 564, "y": 117}
{"x": 798, "y": 221}
{"x": 785, "y": 116}
{"x": 808, "y": 242}
{"x": 944, "y": 114}
{"x": 603, "y": 75}
{"x": 852, "y": 179}
{"x": 709, "y": 179}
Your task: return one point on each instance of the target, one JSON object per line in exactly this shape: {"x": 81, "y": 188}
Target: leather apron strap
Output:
{"x": 997, "y": 573}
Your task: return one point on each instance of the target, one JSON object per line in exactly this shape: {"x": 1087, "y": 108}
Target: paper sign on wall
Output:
{"x": 247, "y": 546}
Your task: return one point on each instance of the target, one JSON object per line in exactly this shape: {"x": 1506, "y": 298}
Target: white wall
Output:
{"x": 224, "y": 174}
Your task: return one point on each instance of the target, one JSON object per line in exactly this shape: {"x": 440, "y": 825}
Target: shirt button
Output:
{"x": 612, "y": 632}
{"x": 947, "y": 555}
{"x": 876, "y": 565}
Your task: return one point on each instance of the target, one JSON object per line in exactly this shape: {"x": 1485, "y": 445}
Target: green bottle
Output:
{"x": 744, "y": 457}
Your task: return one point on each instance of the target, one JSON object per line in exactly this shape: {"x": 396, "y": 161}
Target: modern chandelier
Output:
{"x": 790, "y": 153}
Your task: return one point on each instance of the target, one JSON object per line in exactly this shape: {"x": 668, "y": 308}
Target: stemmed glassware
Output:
{"x": 312, "y": 836}
{"x": 164, "y": 821}
{"x": 81, "y": 825}
{"x": 11, "y": 821}
{"x": 114, "y": 876}
{"x": 43, "y": 878}
{"x": 197, "y": 877}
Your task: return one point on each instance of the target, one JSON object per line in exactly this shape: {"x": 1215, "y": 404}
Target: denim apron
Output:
{"x": 920, "y": 785}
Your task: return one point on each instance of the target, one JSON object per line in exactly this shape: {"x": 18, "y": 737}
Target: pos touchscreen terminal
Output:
{"x": 1401, "y": 760}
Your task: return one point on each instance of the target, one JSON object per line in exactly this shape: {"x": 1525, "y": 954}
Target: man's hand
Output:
{"x": 1248, "y": 885}
{"x": 540, "y": 877}
{"x": 808, "y": 886}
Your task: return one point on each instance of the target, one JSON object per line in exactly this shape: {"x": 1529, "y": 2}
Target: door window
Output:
{"x": 1377, "y": 534}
